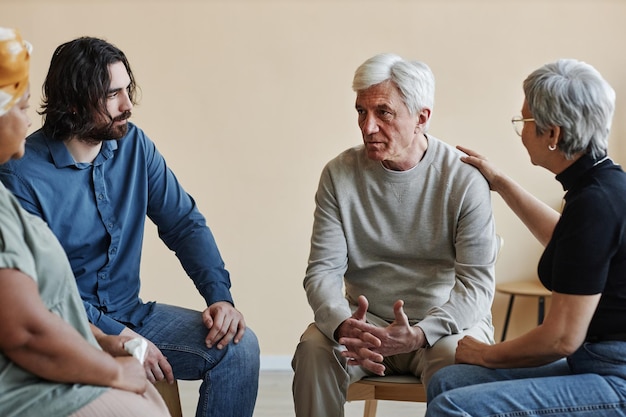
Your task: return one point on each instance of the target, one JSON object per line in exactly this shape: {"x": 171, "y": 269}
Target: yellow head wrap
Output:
{"x": 14, "y": 67}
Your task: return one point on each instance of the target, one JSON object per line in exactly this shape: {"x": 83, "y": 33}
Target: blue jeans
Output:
{"x": 230, "y": 376}
{"x": 591, "y": 382}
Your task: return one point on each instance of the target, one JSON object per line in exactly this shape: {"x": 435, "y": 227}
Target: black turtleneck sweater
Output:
{"x": 587, "y": 252}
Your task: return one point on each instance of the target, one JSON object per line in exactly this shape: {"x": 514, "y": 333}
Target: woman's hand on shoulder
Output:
{"x": 489, "y": 171}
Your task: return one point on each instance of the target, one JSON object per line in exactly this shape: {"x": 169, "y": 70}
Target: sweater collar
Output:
{"x": 575, "y": 172}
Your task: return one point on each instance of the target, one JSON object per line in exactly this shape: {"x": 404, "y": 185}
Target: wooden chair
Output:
{"x": 392, "y": 387}
{"x": 171, "y": 396}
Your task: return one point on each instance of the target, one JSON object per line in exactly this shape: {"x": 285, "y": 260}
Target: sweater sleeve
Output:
{"x": 476, "y": 248}
{"x": 328, "y": 261}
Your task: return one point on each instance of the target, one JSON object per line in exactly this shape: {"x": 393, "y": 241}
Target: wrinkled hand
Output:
{"x": 346, "y": 328}
{"x": 359, "y": 343}
{"x": 470, "y": 351}
{"x": 225, "y": 323}
{"x": 131, "y": 375}
{"x": 398, "y": 337}
{"x": 489, "y": 171}
{"x": 155, "y": 363}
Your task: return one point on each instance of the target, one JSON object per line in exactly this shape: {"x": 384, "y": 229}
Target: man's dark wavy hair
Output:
{"x": 76, "y": 87}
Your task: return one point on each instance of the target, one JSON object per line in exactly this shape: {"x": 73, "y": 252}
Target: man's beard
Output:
{"x": 109, "y": 131}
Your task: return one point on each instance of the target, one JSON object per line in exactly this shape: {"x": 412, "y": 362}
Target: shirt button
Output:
{"x": 100, "y": 197}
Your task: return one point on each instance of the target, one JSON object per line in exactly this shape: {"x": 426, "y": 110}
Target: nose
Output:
{"x": 369, "y": 124}
{"x": 126, "y": 103}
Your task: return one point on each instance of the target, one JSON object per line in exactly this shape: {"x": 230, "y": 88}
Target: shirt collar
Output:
{"x": 574, "y": 172}
{"x": 62, "y": 157}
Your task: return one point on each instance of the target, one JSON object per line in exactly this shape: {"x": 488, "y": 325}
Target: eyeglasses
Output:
{"x": 518, "y": 124}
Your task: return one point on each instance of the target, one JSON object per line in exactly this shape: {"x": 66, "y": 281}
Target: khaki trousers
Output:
{"x": 322, "y": 375}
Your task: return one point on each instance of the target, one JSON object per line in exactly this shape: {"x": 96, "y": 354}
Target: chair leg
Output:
{"x": 541, "y": 310}
{"x": 508, "y": 316}
{"x": 171, "y": 396}
{"x": 370, "y": 408}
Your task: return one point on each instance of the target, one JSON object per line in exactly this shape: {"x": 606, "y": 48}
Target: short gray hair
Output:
{"x": 414, "y": 79}
{"x": 573, "y": 95}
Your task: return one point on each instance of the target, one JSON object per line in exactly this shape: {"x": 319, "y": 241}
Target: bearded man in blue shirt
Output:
{"x": 94, "y": 177}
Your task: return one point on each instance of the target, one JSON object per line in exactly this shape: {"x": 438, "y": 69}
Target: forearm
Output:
{"x": 330, "y": 309}
{"x": 469, "y": 304}
{"x": 535, "y": 348}
{"x": 42, "y": 342}
{"x": 55, "y": 351}
{"x": 201, "y": 259}
{"x": 328, "y": 263}
{"x": 537, "y": 216}
{"x": 561, "y": 334}
{"x": 468, "y": 300}
{"x": 183, "y": 229}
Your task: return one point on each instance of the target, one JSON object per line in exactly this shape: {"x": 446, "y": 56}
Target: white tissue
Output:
{"x": 137, "y": 347}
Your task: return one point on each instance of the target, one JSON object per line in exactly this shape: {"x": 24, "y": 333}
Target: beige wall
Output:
{"x": 247, "y": 100}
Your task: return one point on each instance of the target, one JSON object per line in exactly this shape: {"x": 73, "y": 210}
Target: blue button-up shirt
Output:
{"x": 98, "y": 213}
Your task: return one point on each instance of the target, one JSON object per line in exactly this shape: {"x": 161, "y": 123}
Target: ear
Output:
{"x": 555, "y": 135}
{"x": 422, "y": 118}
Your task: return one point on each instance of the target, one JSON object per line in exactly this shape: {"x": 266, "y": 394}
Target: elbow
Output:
{"x": 14, "y": 340}
{"x": 13, "y": 335}
{"x": 566, "y": 346}
{"x": 18, "y": 335}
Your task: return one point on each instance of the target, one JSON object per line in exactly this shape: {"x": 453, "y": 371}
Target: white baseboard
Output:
{"x": 275, "y": 363}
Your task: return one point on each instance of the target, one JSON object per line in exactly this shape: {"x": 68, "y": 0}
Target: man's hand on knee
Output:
{"x": 225, "y": 324}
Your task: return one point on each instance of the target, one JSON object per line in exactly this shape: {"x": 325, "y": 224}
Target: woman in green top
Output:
{"x": 52, "y": 362}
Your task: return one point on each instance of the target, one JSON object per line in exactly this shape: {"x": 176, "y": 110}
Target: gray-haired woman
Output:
{"x": 574, "y": 364}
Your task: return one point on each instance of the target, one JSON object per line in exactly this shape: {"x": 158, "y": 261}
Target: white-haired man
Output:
{"x": 408, "y": 229}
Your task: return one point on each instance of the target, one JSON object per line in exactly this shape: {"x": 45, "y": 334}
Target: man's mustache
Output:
{"x": 122, "y": 116}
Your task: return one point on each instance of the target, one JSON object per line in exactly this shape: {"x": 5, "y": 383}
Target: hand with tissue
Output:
{"x": 155, "y": 363}
{"x": 137, "y": 348}
{"x": 130, "y": 343}
{"x": 131, "y": 376}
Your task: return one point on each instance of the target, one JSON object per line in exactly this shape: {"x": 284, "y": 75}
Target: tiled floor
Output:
{"x": 274, "y": 400}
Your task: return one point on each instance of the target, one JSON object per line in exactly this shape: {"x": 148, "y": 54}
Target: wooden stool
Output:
{"x": 531, "y": 288}
{"x": 393, "y": 388}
